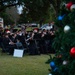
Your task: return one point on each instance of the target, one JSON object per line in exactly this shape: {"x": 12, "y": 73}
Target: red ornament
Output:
{"x": 72, "y": 52}
{"x": 68, "y": 5}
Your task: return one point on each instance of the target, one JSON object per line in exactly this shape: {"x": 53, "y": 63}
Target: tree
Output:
{"x": 6, "y": 18}
{"x": 33, "y": 8}
{"x": 13, "y": 14}
{"x": 52, "y": 14}
{"x": 23, "y": 18}
{"x": 4, "y": 4}
{"x": 56, "y": 5}
{"x": 63, "y": 62}
{"x": 36, "y": 11}
{"x": 8, "y": 3}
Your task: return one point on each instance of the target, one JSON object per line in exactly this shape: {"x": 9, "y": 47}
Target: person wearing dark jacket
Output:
{"x": 5, "y": 43}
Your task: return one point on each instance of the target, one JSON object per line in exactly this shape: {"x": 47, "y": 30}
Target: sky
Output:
{"x": 20, "y": 9}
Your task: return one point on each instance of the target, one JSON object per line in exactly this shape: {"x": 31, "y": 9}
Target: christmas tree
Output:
{"x": 63, "y": 63}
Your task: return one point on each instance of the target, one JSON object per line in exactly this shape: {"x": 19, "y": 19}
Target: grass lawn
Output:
{"x": 27, "y": 65}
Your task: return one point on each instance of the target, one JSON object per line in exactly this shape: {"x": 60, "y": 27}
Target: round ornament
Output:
{"x": 72, "y": 52}
{"x": 68, "y": 5}
{"x": 65, "y": 62}
{"x": 52, "y": 64}
{"x": 60, "y": 17}
{"x": 72, "y": 7}
{"x": 66, "y": 28}
{"x": 50, "y": 74}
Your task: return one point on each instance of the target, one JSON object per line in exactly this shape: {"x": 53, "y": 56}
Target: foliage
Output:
{"x": 6, "y": 18}
{"x": 4, "y": 4}
{"x": 35, "y": 11}
{"x": 13, "y": 14}
{"x": 8, "y": 3}
{"x": 40, "y": 10}
{"x": 63, "y": 42}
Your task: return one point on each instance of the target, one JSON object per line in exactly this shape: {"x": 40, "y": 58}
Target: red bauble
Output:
{"x": 72, "y": 52}
{"x": 68, "y": 5}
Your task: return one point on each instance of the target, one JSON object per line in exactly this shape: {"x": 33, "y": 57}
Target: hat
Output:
{"x": 36, "y": 30}
{"x": 8, "y": 31}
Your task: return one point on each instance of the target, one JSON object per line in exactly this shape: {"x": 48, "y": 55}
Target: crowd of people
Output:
{"x": 34, "y": 42}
